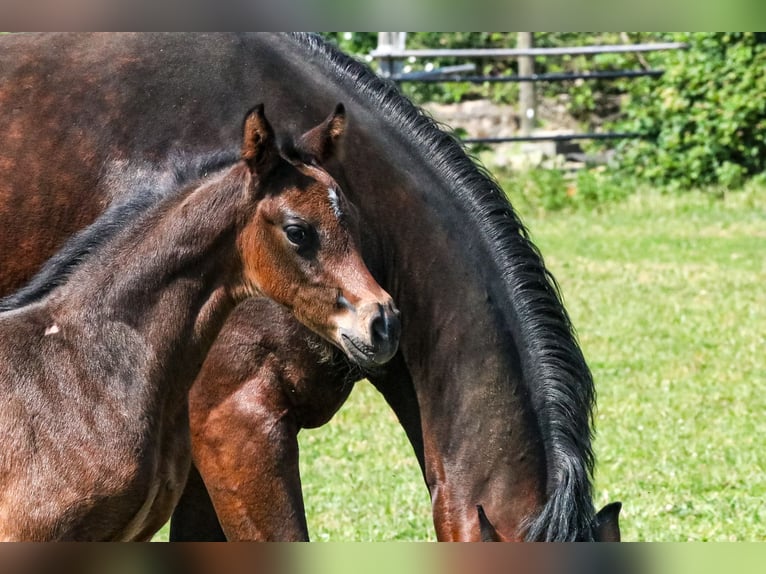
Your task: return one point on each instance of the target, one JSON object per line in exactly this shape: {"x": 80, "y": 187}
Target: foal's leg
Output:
{"x": 264, "y": 379}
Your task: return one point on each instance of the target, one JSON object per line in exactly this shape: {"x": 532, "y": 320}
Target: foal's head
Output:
{"x": 298, "y": 249}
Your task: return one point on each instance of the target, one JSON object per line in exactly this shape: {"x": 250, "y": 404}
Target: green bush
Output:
{"x": 589, "y": 101}
{"x": 543, "y": 190}
{"x": 706, "y": 117}
{"x": 358, "y": 44}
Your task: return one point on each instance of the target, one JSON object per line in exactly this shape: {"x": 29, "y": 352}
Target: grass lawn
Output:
{"x": 668, "y": 296}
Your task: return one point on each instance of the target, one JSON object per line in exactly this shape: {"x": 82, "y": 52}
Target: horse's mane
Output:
{"x": 142, "y": 188}
{"x": 558, "y": 378}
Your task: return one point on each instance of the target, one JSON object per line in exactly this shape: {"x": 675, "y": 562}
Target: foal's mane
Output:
{"x": 141, "y": 189}
{"x": 553, "y": 365}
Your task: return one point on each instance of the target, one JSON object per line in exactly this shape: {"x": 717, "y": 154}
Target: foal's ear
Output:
{"x": 259, "y": 145}
{"x": 323, "y": 140}
{"x": 607, "y": 525}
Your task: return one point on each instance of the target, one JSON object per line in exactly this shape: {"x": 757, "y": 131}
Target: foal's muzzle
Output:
{"x": 373, "y": 338}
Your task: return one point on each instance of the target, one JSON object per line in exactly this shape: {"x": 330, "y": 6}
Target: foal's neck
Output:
{"x": 171, "y": 275}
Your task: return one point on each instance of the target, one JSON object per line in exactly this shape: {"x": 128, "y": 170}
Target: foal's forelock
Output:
{"x": 335, "y": 202}
{"x": 332, "y": 192}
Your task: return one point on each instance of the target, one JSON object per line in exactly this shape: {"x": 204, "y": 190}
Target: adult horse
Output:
{"x": 490, "y": 384}
{"x": 94, "y": 373}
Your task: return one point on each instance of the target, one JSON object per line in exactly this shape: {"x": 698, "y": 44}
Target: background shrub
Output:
{"x": 706, "y": 116}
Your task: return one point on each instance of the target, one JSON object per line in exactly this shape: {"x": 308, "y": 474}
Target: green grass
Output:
{"x": 361, "y": 480}
{"x": 668, "y": 294}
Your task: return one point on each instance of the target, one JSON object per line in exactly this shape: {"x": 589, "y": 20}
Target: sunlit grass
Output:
{"x": 668, "y": 297}
{"x": 361, "y": 480}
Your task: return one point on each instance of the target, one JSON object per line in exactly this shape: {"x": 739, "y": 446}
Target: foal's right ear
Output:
{"x": 259, "y": 144}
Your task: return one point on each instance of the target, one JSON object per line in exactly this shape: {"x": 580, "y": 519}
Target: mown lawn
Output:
{"x": 668, "y": 296}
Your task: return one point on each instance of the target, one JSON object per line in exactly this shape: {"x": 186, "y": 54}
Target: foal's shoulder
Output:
{"x": 29, "y": 328}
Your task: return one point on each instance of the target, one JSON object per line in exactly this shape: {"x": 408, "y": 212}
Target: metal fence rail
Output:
{"x": 391, "y": 51}
{"x": 443, "y": 76}
{"x": 556, "y": 137}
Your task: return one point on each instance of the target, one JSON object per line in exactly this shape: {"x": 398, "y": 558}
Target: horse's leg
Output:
{"x": 194, "y": 518}
{"x": 264, "y": 379}
{"x": 245, "y": 446}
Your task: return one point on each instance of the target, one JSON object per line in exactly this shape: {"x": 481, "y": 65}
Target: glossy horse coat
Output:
{"x": 489, "y": 384}
{"x": 94, "y": 371}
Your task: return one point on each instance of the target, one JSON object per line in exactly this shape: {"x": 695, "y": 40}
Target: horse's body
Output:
{"x": 94, "y": 373}
{"x": 489, "y": 384}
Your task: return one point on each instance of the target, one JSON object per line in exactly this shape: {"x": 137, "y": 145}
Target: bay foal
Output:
{"x": 94, "y": 376}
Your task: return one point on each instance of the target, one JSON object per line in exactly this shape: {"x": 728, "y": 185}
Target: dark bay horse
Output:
{"x": 94, "y": 374}
{"x": 490, "y": 384}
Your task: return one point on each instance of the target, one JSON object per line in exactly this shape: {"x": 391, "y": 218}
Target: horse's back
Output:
{"x": 74, "y": 107}
{"x": 129, "y": 94}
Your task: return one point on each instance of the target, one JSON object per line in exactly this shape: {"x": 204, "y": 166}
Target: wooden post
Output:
{"x": 388, "y": 42}
{"x": 527, "y": 105}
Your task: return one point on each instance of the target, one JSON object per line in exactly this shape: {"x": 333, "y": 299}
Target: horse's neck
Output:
{"x": 169, "y": 277}
{"x": 461, "y": 356}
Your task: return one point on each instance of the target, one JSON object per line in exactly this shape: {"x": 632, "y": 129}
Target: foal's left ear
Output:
{"x": 322, "y": 141}
{"x": 259, "y": 144}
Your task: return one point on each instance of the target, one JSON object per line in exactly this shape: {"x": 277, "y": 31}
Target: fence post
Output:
{"x": 391, "y": 42}
{"x": 527, "y": 105}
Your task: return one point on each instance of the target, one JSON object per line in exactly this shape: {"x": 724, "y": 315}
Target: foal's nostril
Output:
{"x": 377, "y": 343}
{"x": 385, "y": 327}
{"x": 379, "y": 327}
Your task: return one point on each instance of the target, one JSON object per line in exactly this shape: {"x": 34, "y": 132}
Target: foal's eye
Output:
{"x": 298, "y": 235}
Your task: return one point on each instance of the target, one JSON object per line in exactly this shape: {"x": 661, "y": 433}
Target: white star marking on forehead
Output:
{"x": 334, "y": 202}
